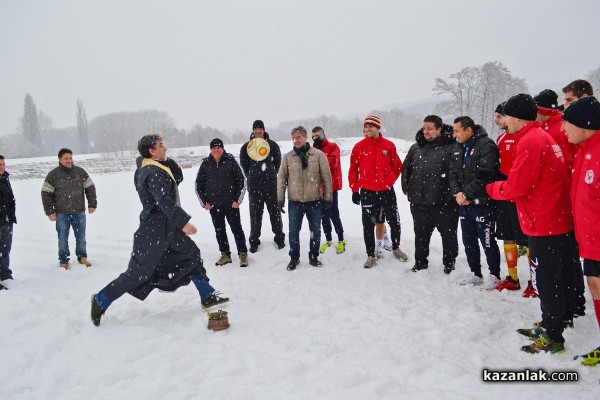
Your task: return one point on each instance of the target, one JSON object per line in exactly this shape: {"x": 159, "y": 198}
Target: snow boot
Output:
{"x": 315, "y": 262}
{"x": 292, "y": 265}
{"x": 96, "y": 312}
{"x": 243, "y": 259}
{"x": 84, "y": 261}
{"x": 399, "y": 254}
{"x": 225, "y": 259}
{"x": 371, "y": 262}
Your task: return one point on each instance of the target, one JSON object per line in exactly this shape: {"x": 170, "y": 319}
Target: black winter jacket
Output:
{"x": 478, "y": 164}
{"x": 222, "y": 183}
{"x": 428, "y": 168}
{"x": 7, "y": 201}
{"x": 260, "y": 173}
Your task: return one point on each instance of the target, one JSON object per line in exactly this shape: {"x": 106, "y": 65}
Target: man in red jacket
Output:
{"x": 539, "y": 184}
{"x": 332, "y": 214}
{"x": 374, "y": 168}
{"x": 582, "y": 125}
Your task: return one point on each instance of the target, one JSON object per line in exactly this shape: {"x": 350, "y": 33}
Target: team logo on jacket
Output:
{"x": 589, "y": 177}
{"x": 385, "y": 152}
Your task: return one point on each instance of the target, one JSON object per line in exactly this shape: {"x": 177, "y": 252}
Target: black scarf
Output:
{"x": 301, "y": 152}
{"x": 318, "y": 143}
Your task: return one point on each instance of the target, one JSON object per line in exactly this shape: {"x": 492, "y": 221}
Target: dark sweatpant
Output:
{"x": 426, "y": 218}
{"x": 258, "y": 199}
{"x": 218, "y": 215}
{"x": 371, "y": 203}
{"x": 332, "y": 215}
{"x": 553, "y": 277}
{"x": 478, "y": 223}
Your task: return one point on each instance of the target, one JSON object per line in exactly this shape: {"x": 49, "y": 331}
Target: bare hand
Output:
{"x": 189, "y": 229}
{"x": 52, "y": 217}
{"x": 208, "y": 206}
{"x": 235, "y": 204}
{"x": 91, "y": 210}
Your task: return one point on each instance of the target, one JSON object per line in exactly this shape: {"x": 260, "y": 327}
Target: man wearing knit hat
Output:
{"x": 550, "y": 117}
{"x": 374, "y": 168}
{"x": 262, "y": 187}
{"x": 582, "y": 125}
{"x": 538, "y": 183}
{"x": 507, "y": 223}
{"x": 220, "y": 187}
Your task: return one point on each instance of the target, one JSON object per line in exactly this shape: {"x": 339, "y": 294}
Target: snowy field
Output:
{"x": 337, "y": 332}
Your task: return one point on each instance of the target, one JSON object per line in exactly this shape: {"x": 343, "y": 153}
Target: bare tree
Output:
{"x": 593, "y": 77}
{"x": 31, "y": 127}
{"x": 82, "y": 127}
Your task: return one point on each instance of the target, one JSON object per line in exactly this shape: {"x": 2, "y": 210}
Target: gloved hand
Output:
{"x": 356, "y": 198}
{"x": 327, "y": 204}
{"x": 281, "y": 205}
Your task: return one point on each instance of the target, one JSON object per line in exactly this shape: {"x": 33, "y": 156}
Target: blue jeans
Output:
{"x": 296, "y": 212}
{"x": 63, "y": 224}
{"x": 6, "y": 234}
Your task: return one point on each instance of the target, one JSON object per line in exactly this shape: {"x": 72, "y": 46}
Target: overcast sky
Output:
{"x": 226, "y": 63}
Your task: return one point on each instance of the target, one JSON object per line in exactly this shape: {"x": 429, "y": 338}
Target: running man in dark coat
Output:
{"x": 164, "y": 256}
{"x": 262, "y": 188}
{"x": 8, "y": 218}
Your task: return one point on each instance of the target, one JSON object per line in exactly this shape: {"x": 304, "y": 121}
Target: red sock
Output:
{"x": 597, "y": 307}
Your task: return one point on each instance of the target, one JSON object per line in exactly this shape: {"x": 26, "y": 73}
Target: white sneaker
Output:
{"x": 387, "y": 243}
{"x": 490, "y": 282}
{"x": 472, "y": 280}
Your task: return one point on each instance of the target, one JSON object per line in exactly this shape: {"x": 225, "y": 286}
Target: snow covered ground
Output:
{"x": 337, "y": 332}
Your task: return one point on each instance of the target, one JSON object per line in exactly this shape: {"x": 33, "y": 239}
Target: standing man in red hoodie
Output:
{"x": 374, "y": 168}
{"x": 582, "y": 125}
{"x": 331, "y": 214}
{"x": 539, "y": 184}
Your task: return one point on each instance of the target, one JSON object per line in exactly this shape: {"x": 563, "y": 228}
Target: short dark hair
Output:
{"x": 437, "y": 121}
{"x": 579, "y": 87}
{"x": 64, "y": 151}
{"x": 146, "y": 143}
{"x": 1, "y": 157}
{"x": 300, "y": 129}
{"x": 465, "y": 122}
{"x": 317, "y": 129}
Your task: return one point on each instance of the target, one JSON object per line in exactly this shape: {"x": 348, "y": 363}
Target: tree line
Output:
{"x": 472, "y": 91}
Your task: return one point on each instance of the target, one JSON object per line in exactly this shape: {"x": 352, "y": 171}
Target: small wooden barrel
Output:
{"x": 218, "y": 320}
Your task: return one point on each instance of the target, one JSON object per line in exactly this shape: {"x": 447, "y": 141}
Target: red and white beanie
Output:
{"x": 373, "y": 120}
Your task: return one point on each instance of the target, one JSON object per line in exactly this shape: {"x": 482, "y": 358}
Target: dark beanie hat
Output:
{"x": 500, "y": 107}
{"x": 584, "y": 113}
{"x": 547, "y": 99}
{"x": 521, "y": 106}
{"x": 258, "y": 124}
{"x": 216, "y": 142}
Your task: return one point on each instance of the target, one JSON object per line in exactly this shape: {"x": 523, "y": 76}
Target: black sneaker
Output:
{"x": 213, "y": 300}
{"x": 280, "y": 245}
{"x": 96, "y": 312}
{"x": 292, "y": 265}
{"x": 448, "y": 268}
{"x": 315, "y": 262}
{"x": 419, "y": 267}
{"x": 253, "y": 249}
{"x": 2, "y": 287}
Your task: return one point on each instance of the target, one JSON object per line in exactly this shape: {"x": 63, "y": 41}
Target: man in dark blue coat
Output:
{"x": 262, "y": 187}
{"x": 8, "y": 218}
{"x": 163, "y": 256}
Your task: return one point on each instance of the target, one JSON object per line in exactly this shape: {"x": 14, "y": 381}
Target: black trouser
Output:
{"x": 332, "y": 214}
{"x": 426, "y": 218}
{"x": 579, "y": 306}
{"x": 371, "y": 203}
{"x": 258, "y": 199}
{"x": 553, "y": 277}
{"x": 218, "y": 215}
{"x": 478, "y": 223}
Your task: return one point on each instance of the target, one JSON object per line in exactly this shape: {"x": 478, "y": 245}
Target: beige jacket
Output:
{"x": 304, "y": 185}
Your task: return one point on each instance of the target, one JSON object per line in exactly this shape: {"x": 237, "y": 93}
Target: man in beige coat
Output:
{"x": 304, "y": 171}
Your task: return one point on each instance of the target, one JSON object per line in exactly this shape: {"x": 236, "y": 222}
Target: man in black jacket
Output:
{"x": 262, "y": 187}
{"x": 220, "y": 186}
{"x": 478, "y": 164}
{"x": 8, "y": 218}
{"x": 164, "y": 256}
{"x": 427, "y": 170}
